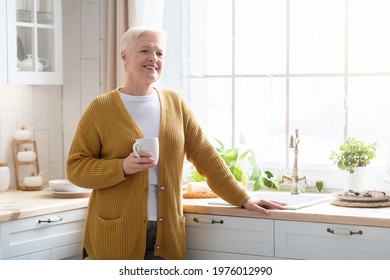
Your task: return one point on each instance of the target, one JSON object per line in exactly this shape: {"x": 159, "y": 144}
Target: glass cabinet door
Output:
{"x": 36, "y": 25}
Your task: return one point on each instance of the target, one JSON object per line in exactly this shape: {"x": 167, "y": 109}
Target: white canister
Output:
{"x": 33, "y": 181}
{"x": 26, "y": 156}
{"x": 4, "y": 176}
{"x": 23, "y": 134}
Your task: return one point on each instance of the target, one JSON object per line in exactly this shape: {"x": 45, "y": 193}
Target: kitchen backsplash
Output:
{"x": 54, "y": 111}
{"x": 39, "y": 108}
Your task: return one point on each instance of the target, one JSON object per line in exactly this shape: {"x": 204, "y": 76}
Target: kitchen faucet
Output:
{"x": 294, "y": 180}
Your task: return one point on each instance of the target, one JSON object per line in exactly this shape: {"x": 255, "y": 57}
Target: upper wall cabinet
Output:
{"x": 34, "y": 44}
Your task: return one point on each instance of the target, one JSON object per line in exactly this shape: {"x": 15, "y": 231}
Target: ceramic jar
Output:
{"x": 4, "y": 176}
{"x": 33, "y": 181}
{"x": 23, "y": 134}
{"x": 26, "y": 156}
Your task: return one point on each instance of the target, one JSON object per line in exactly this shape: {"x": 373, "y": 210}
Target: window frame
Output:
{"x": 328, "y": 173}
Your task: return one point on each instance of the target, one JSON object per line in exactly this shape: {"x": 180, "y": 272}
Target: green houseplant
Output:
{"x": 353, "y": 153}
{"x": 243, "y": 166}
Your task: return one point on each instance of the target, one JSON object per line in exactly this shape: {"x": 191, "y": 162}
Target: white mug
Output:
{"x": 149, "y": 144}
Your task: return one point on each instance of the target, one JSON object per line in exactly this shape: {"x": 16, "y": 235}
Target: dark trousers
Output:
{"x": 150, "y": 241}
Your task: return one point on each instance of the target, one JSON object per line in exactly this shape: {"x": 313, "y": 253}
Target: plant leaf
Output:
{"x": 269, "y": 180}
{"x": 221, "y": 148}
{"x": 319, "y": 185}
{"x": 258, "y": 185}
{"x": 341, "y": 165}
{"x": 195, "y": 176}
{"x": 256, "y": 173}
{"x": 244, "y": 155}
{"x": 230, "y": 155}
{"x": 236, "y": 171}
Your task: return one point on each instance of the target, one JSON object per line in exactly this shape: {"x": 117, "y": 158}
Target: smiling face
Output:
{"x": 144, "y": 59}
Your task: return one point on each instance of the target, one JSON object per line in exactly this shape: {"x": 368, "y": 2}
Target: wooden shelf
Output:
{"x": 17, "y": 164}
{"x": 26, "y": 162}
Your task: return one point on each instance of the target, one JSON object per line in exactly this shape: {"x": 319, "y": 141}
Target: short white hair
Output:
{"x": 132, "y": 34}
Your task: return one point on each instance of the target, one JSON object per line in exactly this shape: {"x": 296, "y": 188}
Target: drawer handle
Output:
{"x": 207, "y": 221}
{"x": 343, "y": 232}
{"x": 51, "y": 220}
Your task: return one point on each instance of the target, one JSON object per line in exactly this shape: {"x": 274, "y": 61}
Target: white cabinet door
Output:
{"x": 302, "y": 240}
{"x": 3, "y": 42}
{"x": 61, "y": 237}
{"x": 34, "y": 42}
{"x": 1, "y": 243}
{"x": 210, "y": 236}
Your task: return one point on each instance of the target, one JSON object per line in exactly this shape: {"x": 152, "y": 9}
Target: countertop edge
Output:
{"x": 15, "y": 205}
{"x": 315, "y": 213}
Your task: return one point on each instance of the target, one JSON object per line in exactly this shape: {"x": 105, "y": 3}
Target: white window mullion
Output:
{"x": 233, "y": 76}
{"x": 346, "y": 76}
{"x": 287, "y": 84}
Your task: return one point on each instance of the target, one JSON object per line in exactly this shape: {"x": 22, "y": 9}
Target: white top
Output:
{"x": 145, "y": 111}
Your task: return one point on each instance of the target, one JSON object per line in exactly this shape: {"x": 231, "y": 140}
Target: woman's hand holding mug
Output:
{"x": 144, "y": 156}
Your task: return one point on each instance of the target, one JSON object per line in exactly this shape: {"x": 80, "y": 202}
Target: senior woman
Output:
{"x": 135, "y": 209}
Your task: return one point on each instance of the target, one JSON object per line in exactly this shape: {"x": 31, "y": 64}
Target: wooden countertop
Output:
{"x": 22, "y": 204}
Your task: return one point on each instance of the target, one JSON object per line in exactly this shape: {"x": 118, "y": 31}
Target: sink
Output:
{"x": 295, "y": 201}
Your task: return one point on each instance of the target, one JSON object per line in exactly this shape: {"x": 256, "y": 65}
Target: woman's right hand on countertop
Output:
{"x": 133, "y": 164}
{"x": 262, "y": 205}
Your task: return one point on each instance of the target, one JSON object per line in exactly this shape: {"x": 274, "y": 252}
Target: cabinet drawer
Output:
{"x": 30, "y": 235}
{"x": 212, "y": 255}
{"x": 230, "y": 234}
{"x": 42, "y": 255}
{"x": 301, "y": 240}
{"x": 72, "y": 251}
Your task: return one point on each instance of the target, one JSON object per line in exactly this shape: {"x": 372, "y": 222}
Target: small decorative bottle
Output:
{"x": 4, "y": 177}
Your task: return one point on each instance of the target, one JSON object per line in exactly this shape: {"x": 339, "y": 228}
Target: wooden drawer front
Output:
{"x": 300, "y": 240}
{"x": 236, "y": 235}
{"x": 28, "y": 235}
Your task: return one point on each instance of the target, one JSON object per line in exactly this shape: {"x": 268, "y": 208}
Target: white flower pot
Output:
{"x": 356, "y": 180}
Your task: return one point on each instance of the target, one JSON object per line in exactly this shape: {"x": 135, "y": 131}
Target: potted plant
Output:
{"x": 353, "y": 156}
{"x": 243, "y": 166}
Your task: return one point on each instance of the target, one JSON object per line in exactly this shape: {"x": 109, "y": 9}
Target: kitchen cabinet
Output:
{"x": 304, "y": 240}
{"x": 52, "y": 236}
{"x": 34, "y": 42}
{"x": 224, "y": 237}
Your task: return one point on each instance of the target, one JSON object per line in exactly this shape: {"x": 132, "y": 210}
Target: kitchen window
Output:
{"x": 254, "y": 70}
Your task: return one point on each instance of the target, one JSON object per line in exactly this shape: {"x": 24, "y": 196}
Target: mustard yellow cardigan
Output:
{"x": 117, "y": 213}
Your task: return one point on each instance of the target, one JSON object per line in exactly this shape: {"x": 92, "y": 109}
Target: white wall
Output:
{"x": 82, "y": 82}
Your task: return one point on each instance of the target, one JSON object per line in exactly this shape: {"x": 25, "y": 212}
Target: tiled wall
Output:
{"x": 37, "y": 107}
{"x": 82, "y": 40}
{"x": 54, "y": 111}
